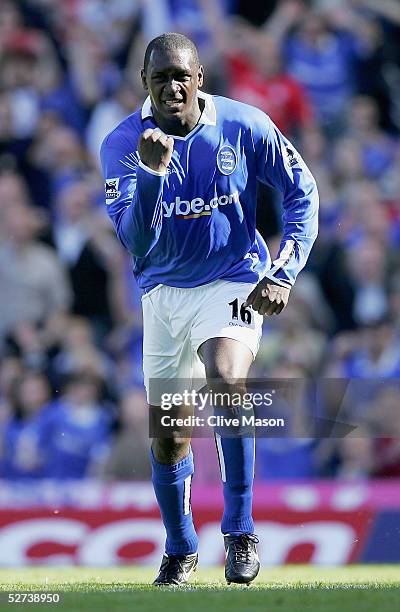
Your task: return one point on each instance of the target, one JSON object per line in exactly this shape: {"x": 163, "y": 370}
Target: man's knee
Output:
{"x": 227, "y": 363}
{"x": 225, "y": 376}
{"x": 170, "y": 450}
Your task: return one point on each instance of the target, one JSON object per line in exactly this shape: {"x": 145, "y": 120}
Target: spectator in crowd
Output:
{"x": 294, "y": 341}
{"x": 58, "y": 152}
{"x": 13, "y": 191}
{"x": 108, "y": 113}
{"x": 79, "y": 431}
{"x": 377, "y": 148}
{"x": 77, "y": 352}
{"x": 372, "y": 449}
{"x": 255, "y": 71}
{"x": 33, "y": 284}
{"x": 25, "y": 433}
{"x": 321, "y": 56}
{"x": 385, "y": 433}
{"x": 291, "y": 456}
{"x": 368, "y": 273}
{"x": 373, "y": 352}
{"x": 128, "y": 457}
{"x": 257, "y": 77}
{"x": 90, "y": 253}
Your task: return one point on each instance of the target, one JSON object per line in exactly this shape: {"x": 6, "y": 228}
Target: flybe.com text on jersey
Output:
{"x": 197, "y": 207}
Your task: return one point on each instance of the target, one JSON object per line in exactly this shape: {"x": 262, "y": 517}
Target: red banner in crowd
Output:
{"x": 120, "y": 524}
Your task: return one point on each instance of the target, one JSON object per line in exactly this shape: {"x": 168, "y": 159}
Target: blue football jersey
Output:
{"x": 197, "y": 222}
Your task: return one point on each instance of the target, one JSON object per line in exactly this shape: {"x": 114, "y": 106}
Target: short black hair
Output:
{"x": 170, "y": 41}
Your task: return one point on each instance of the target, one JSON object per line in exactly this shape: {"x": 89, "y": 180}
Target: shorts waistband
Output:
{"x": 145, "y": 295}
{"x": 194, "y": 289}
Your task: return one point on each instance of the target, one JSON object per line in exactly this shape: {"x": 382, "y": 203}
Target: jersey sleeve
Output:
{"x": 280, "y": 166}
{"x": 133, "y": 194}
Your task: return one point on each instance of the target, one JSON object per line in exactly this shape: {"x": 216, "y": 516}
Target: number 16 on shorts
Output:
{"x": 239, "y": 310}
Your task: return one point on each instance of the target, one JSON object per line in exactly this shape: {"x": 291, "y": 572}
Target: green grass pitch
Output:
{"x": 285, "y": 589}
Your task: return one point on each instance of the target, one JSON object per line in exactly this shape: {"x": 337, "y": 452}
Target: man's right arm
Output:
{"x": 133, "y": 196}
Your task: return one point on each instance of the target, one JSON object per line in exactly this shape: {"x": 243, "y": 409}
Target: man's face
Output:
{"x": 172, "y": 79}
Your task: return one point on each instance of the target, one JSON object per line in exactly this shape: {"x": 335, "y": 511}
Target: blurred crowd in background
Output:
{"x": 72, "y": 402}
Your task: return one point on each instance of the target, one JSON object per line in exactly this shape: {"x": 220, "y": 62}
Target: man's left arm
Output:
{"x": 280, "y": 166}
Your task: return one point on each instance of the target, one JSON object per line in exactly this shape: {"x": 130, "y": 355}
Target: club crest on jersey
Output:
{"x": 111, "y": 187}
{"x": 226, "y": 159}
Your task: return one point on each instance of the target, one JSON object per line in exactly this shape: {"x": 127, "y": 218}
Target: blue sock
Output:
{"x": 236, "y": 458}
{"x": 172, "y": 485}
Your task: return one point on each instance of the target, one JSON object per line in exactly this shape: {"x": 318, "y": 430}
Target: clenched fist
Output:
{"x": 268, "y": 298}
{"x": 155, "y": 149}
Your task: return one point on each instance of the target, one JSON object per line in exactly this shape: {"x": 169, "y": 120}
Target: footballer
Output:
{"x": 180, "y": 178}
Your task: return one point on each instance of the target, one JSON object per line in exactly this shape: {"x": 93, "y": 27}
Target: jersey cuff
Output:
{"x": 150, "y": 170}
{"x": 278, "y": 281}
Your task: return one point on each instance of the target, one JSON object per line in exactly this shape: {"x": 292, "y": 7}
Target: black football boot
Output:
{"x": 242, "y": 563}
{"x": 175, "y": 570}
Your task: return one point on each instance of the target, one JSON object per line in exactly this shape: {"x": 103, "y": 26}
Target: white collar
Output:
{"x": 208, "y": 116}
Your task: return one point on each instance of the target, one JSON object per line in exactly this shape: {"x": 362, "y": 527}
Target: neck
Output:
{"x": 181, "y": 127}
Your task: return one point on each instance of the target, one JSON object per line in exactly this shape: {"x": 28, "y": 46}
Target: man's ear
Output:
{"x": 144, "y": 79}
{"x": 200, "y": 76}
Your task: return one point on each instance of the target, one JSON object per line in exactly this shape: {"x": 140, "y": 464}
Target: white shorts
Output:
{"x": 177, "y": 321}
